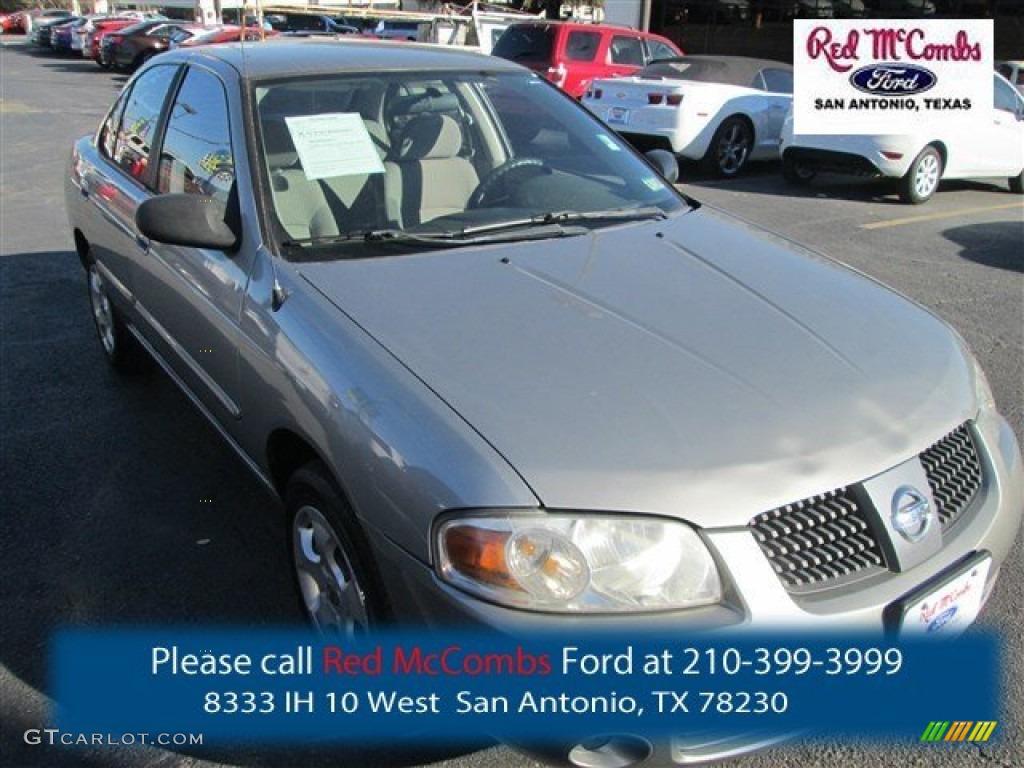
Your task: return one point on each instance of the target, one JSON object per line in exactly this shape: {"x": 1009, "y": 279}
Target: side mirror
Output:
{"x": 665, "y": 163}
{"x": 193, "y": 220}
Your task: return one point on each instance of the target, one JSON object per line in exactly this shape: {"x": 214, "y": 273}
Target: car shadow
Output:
{"x": 123, "y": 507}
{"x": 64, "y": 62}
{"x": 994, "y": 244}
{"x": 695, "y": 172}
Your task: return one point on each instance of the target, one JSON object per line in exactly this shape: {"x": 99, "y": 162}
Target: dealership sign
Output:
{"x": 872, "y": 76}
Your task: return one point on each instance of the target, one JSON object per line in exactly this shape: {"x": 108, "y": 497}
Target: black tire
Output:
{"x": 1017, "y": 183}
{"x": 922, "y": 178}
{"x": 120, "y": 347}
{"x": 730, "y": 148}
{"x": 796, "y": 173}
{"x": 337, "y": 583}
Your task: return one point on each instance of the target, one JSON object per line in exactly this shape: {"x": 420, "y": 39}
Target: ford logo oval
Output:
{"x": 893, "y": 79}
{"x": 942, "y": 619}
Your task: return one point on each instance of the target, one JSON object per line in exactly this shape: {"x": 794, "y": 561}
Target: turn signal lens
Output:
{"x": 479, "y": 554}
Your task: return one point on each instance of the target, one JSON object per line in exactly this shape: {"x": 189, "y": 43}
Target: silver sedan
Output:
{"x": 501, "y": 372}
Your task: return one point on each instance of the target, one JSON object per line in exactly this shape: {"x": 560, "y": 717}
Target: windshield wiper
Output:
{"x": 610, "y": 214}
{"x": 562, "y": 217}
{"x": 443, "y": 239}
{"x": 543, "y": 225}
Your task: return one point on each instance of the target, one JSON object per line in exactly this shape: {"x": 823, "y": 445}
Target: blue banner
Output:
{"x": 291, "y": 686}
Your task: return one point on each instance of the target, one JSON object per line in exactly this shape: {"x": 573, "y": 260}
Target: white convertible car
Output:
{"x": 724, "y": 110}
{"x": 920, "y": 160}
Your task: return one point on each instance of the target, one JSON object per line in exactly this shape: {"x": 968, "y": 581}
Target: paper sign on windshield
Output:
{"x": 335, "y": 144}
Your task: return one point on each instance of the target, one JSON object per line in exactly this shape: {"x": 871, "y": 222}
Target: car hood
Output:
{"x": 696, "y": 367}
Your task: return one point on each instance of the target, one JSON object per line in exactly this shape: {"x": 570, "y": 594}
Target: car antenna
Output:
{"x": 278, "y": 294}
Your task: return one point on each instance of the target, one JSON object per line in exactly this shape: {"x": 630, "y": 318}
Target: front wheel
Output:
{"x": 922, "y": 179}
{"x": 338, "y": 586}
{"x": 730, "y": 148}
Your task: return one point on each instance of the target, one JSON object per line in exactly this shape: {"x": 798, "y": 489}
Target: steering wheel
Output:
{"x": 493, "y": 179}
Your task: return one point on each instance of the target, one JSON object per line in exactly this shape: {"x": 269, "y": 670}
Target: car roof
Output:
{"x": 582, "y": 25}
{"x": 275, "y": 57}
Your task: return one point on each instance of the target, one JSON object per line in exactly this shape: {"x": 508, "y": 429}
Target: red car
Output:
{"x": 228, "y": 33}
{"x": 91, "y": 49}
{"x": 20, "y": 22}
{"x": 571, "y": 54}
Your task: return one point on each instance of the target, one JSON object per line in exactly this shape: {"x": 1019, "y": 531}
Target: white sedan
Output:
{"x": 724, "y": 110}
{"x": 920, "y": 160}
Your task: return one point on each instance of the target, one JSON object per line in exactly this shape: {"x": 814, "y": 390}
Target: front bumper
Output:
{"x": 756, "y": 598}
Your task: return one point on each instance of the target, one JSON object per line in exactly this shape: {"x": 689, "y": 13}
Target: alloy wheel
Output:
{"x": 926, "y": 176}
{"x": 102, "y": 312}
{"x": 733, "y": 148}
{"x": 331, "y": 592}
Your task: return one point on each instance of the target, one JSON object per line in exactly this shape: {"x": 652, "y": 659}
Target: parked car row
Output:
{"x": 22, "y": 22}
{"x": 129, "y": 39}
{"x": 727, "y": 111}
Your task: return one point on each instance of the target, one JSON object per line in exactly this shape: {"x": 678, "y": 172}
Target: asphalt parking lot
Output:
{"x": 121, "y": 505}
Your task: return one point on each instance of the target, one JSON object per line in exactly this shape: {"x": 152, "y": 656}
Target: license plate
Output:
{"x": 949, "y": 605}
{"x": 618, "y": 116}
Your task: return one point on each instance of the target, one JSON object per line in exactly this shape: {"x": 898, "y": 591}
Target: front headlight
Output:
{"x": 580, "y": 563}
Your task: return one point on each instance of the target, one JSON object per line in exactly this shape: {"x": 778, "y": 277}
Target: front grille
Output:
{"x": 954, "y": 473}
{"x": 818, "y": 539}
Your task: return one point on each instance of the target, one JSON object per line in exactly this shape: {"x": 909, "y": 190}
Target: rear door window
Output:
{"x": 108, "y": 132}
{"x": 139, "y": 123}
{"x": 582, "y": 46}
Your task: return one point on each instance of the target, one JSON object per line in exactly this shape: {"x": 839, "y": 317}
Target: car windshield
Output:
{"x": 354, "y": 165}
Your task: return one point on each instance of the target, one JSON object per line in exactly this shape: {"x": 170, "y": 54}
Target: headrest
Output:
{"x": 431, "y": 102}
{"x": 430, "y": 137}
{"x": 278, "y": 144}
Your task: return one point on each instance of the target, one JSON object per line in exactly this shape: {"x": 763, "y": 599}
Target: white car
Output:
{"x": 724, "y": 110}
{"x": 920, "y": 160}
